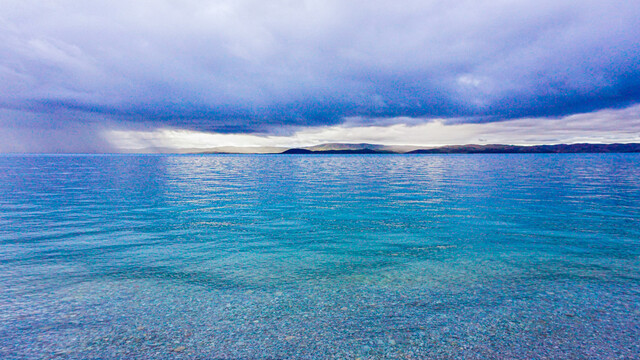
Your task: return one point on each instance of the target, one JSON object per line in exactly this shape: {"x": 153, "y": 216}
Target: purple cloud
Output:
{"x": 247, "y": 66}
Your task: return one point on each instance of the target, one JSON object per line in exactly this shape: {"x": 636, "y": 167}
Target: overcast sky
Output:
{"x": 92, "y": 75}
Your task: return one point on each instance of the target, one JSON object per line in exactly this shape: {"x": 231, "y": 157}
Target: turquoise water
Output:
{"x": 339, "y": 256}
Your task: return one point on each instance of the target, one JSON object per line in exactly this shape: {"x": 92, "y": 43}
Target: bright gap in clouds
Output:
{"x": 598, "y": 127}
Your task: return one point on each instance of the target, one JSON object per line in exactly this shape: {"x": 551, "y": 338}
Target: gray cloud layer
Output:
{"x": 605, "y": 126}
{"x": 246, "y": 65}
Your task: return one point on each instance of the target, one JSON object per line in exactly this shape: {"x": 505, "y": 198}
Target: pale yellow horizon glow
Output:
{"x": 606, "y": 126}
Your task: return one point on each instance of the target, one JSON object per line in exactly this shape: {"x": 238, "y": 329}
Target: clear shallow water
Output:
{"x": 369, "y": 256}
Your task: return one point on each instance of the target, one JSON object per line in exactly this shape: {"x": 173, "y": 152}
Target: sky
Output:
{"x": 79, "y": 76}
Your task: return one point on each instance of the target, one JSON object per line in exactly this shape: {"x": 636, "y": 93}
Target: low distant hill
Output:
{"x": 534, "y": 149}
{"x": 354, "y": 151}
{"x": 346, "y": 146}
{"x": 364, "y": 148}
{"x": 297, "y": 151}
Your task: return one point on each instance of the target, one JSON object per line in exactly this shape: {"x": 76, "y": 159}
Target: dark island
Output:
{"x": 469, "y": 149}
{"x": 534, "y": 149}
{"x": 345, "y": 151}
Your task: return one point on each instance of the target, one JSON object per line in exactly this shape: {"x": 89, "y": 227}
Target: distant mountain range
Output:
{"x": 467, "y": 149}
{"x": 364, "y": 148}
{"x": 354, "y": 151}
{"x": 534, "y": 149}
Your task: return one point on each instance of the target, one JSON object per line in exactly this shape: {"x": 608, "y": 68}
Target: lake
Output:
{"x": 326, "y": 256}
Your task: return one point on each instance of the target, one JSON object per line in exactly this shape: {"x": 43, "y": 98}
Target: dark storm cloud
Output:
{"x": 247, "y": 65}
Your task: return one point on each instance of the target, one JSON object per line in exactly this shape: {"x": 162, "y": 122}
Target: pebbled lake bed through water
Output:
{"x": 524, "y": 256}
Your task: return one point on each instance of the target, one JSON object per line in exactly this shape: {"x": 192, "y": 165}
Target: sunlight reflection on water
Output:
{"x": 371, "y": 256}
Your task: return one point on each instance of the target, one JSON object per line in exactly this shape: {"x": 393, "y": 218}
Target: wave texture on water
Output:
{"x": 336, "y": 256}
